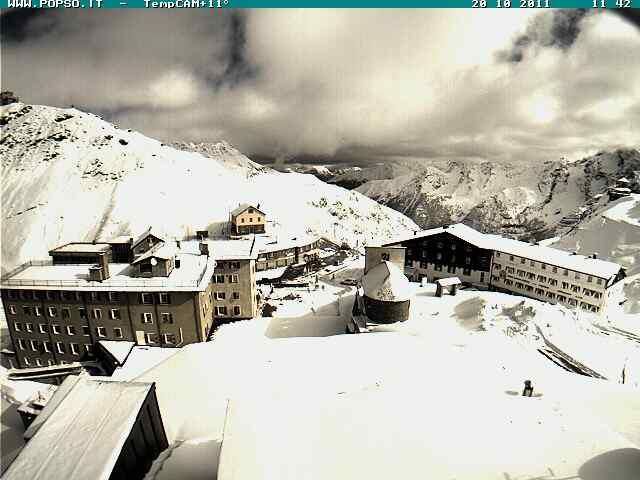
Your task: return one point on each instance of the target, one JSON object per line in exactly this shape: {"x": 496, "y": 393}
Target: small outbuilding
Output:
{"x": 450, "y": 284}
{"x": 386, "y": 293}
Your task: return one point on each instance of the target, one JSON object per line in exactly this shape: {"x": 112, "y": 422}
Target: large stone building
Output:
{"x": 502, "y": 264}
{"x": 246, "y": 219}
{"x": 56, "y": 313}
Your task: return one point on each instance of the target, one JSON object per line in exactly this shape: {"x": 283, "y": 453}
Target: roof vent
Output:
{"x": 574, "y": 253}
{"x": 595, "y": 255}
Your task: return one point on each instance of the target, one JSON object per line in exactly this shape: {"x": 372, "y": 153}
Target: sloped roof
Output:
{"x": 387, "y": 283}
{"x": 149, "y": 231}
{"x": 83, "y": 437}
{"x": 162, "y": 251}
{"x": 242, "y": 207}
{"x": 538, "y": 253}
{"x": 117, "y": 349}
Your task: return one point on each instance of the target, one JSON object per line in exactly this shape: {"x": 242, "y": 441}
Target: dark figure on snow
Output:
{"x": 528, "y": 389}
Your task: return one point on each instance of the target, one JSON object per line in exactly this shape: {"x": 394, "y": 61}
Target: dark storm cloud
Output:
{"x": 357, "y": 86}
{"x": 560, "y": 29}
{"x": 18, "y": 24}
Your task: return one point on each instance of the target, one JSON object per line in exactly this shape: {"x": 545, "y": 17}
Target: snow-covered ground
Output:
{"x": 437, "y": 396}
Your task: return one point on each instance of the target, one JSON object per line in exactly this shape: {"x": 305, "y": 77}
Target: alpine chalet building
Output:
{"x": 502, "y": 264}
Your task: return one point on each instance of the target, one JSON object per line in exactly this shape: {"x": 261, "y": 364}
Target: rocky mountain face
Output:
{"x": 512, "y": 199}
{"x": 71, "y": 176}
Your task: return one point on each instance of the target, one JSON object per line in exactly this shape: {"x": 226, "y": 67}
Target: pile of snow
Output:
{"x": 323, "y": 405}
{"x": 387, "y": 283}
{"x": 70, "y": 176}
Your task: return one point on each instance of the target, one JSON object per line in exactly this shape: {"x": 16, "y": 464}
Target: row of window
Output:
{"x": 222, "y": 311}
{"x": 93, "y": 297}
{"x": 554, "y": 269}
{"x": 223, "y": 295}
{"x": 550, "y": 295}
{"x": 221, "y": 278}
{"x": 228, "y": 265}
{"x": 96, "y": 313}
{"x": 552, "y": 282}
{"x": 47, "y": 347}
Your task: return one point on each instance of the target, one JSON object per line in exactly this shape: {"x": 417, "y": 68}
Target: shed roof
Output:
{"x": 242, "y": 207}
{"x": 117, "y": 349}
{"x": 82, "y": 247}
{"x": 387, "y": 283}
{"x": 149, "y": 231}
{"x": 84, "y": 435}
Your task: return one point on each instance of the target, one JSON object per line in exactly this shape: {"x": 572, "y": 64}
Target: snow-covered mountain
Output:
{"x": 497, "y": 197}
{"x": 68, "y": 175}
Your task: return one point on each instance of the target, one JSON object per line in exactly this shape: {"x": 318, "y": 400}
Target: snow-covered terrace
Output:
{"x": 193, "y": 275}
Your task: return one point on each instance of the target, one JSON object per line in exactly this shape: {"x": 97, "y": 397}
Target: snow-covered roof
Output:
{"x": 539, "y": 253}
{"x": 161, "y": 251}
{"x": 117, "y": 349}
{"x": 193, "y": 275}
{"x": 271, "y": 243}
{"x": 447, "y": 282}
{"x": 387, "y": 283}
{"x": 84, "y": 435}
{"x": 149, "y": 231}
{"x": 120, "y": 239}
{"x": 240, "y": 249}
{"x": 82, "y": 247}
{"x": 242, "y": 207}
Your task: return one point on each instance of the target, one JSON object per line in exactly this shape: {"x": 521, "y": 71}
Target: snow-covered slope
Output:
{"x": 68, "y": 175}
{"x": 496, "y": 197}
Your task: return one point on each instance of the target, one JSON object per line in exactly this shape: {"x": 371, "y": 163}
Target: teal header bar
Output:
{"x": 220, "y": 4}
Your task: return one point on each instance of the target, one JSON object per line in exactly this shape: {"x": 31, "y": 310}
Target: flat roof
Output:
{"x": 193, "y": 275}
{"x": 81, "y": 247}
{"x": 240, "y": 249}
{"x": 539, "y": 253}
{"x": 83, "y": 437}
{"x": 271, "y": 243}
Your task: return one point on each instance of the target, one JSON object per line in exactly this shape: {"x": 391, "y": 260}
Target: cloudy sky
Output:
{"x": 363, "y": 85}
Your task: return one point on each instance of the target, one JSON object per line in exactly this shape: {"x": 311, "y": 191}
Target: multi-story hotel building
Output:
{"x": 502, "y": 264}
{"x": 275, "y": 253}
{"x": 246, "y": 219}
{"x": 235, "y": 295}
{"x": 56, "y": 313}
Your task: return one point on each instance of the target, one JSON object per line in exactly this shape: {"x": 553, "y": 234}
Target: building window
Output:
{"x": 65, "y": 296}
{"x": 219, "y": 278}
{"x": 26, "y": 310}
{"x": 53, "y": 311}
{"x": 38, "y": 362}
{"x": 94, "y": 296}
{"x": 85, "y": 330}
{"x": 221, "y": 310}
{"x": 21, "y": 344}
{"x": 533, "y": 264}
{"x": 578, "y": 276}
{"x": 467, "y": 260}
{"x": 115, "y": 314}
{"x": 26, "y": 295}
{"x": 438, "y": 268}
{"x": 82, "y": 312}
{"x": 522, "y": 261}
{"x": 147, "y": 317}
{"x": 26, "y": 361}
{"x": 60, "y": 347}
{"x": 233, "y": 278}
{"x": 34, "y": 345}
{"x": 28, "y": 327}
{"x": 438, "y": 256}
{"x": 235, "y": 265}
{"x": 97, "y": 313}
{"x": 236, "y": 310}
{"x": 114, "y": 297}
{"x": 117, "y": 332}
{"x": 55, "y": 328}
{"x": 17, "y": 327}
{"x": 166, "y": 317}
{"x": 65, "y": 312}
{"x": 102, "y": 332}
{"x": 42, "y": 328}
{"x": 37, "y": 310}
{"x": 11, "y": 294}
{"x": 150, "y": 338}
{"x": 88, "y": 348}
{"x": 236, "y": 295}
{"x": 466, "y": 271}
{"x": 164, "y": 299}
{"x": 169, "y": 338}
{"x": 74, "y": 349}
{"x": 511, "y": 257}
{"x": 146, "y": 298}
{"x": 482, "y": 276}
{"x": 220, "y": 296}
{"x": 544, "y": 266}
{"x": 589, "y": 279}
{"x": 12, "y": 309}
{"x": 599, "y": 281}
{"x": 71, "y": 330}
{"x": 497, "y": 254}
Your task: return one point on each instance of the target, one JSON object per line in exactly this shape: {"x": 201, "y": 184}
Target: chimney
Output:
{"x": 574, "y": 253}
{"x": 103, "y": 262}
{"x": 177, "y": 262}
{"x": 204, "y": 248}
{"x": 595, "y": 255}
{"x": 415, "y": 232}
{"x": 445, "y": 227}
{"x": 95, "y": 273}
{"x": 177, "y": 243}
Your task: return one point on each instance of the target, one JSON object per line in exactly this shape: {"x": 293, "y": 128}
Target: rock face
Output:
{"x": 494, "y": 197}
{"x": 71, "y": 176}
